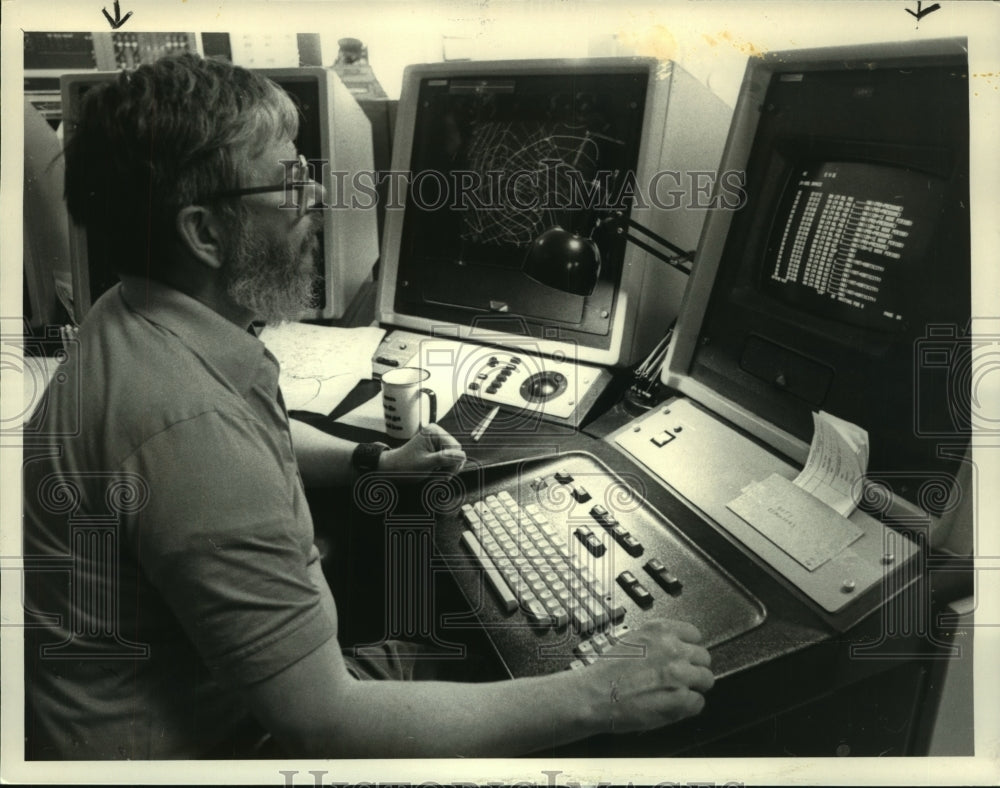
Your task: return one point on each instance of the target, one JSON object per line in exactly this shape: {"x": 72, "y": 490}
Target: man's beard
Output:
{"x": 269, "y": 278}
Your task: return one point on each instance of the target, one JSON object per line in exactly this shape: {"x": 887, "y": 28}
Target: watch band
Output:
{"x": 366, "y": 455}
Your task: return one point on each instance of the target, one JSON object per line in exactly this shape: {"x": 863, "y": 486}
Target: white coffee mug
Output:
{"x": 402, "y": 396}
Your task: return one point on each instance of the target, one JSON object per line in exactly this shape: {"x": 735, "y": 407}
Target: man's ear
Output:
{"x": 201, "y": 233}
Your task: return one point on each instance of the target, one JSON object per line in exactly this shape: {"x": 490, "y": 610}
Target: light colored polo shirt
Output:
{"x": 168, "y": 543}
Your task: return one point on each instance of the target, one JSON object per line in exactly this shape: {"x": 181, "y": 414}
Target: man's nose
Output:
{"x": 314, "y": 195}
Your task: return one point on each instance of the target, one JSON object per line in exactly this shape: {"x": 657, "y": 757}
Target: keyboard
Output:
{"x": 561, "y": 557}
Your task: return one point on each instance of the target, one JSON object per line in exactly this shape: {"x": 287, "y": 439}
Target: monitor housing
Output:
{"x": 334, "y": 135}
{"x": 489, "y": 155}
{"x": 843, "y": 283}
{"x": 45, "y": 241}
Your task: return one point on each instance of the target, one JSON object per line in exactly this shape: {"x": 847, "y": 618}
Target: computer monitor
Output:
{"x": 490, "y": 155}
{"x": 334, "y": 134}
{"x": 46, "y": 223}
{"x": 843, "y": 284}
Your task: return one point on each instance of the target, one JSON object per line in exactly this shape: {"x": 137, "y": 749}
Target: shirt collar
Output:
{"x": 236, "y": 353}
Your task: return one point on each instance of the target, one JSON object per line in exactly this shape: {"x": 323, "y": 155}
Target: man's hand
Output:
{"x": 431, "y": 449}
{"x": 659, "y": 687}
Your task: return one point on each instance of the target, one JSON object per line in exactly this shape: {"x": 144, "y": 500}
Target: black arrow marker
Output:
{"x": 119, "y": 20}
{"x": 921, "y": 13}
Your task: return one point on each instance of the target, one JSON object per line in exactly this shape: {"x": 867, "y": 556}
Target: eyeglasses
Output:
{"x": 300, "y": 181}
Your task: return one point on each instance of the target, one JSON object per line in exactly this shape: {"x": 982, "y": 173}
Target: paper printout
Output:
{"x": 803, "y": 526}
{"x": 838, "y": 459}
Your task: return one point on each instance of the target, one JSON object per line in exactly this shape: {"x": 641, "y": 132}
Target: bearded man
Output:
{"x": 195, "y": 621}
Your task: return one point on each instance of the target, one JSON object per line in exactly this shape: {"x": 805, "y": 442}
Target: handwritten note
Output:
{"x": 838, "y": 459}
{"x": 803, "y": 526}
{"x": 320, "y": 365}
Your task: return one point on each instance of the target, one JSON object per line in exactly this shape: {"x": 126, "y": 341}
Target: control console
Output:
{"x": 709, "y": 463}
{"x": 556, "y": 388}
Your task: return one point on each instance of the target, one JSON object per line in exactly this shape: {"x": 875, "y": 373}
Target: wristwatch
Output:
{"x": 366, "y": 455}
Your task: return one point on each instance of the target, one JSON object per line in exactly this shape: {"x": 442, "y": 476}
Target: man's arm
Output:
{"x": 325, "y": 460}
{"x": 314, "y": 708}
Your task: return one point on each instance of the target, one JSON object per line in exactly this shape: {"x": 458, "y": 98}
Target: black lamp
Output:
{"x": 571, "y": 262}
{"x": 564, "y": 260}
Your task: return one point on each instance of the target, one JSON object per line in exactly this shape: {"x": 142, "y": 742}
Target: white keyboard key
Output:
{"x": 508, "y": 602}
{"x": 584, "y": 649}
{"x": 596, "y": 611}
{"x": 581, "y": 618}
{"x": 536, "y": 612}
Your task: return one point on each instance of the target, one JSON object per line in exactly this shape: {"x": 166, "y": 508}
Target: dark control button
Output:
{"x": 591, "y": 541}
{"x": 580, "y": 493}
{"x": 389, "y": 362}
{"x": 598, "y": 512}
{"x": 635, "y": 589}
{"x": 515, "y": 360}
{"x": 639, "y": 593}
{"x": 617, "y": 530}
{"x": 563, "y": 477}
{"x": 663, "y": 576}
{"x": 508, "y": 369}
{"x": 493, "y": 387}
{"x": 473, "y": 387}
{"x": 632, "y": 545}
